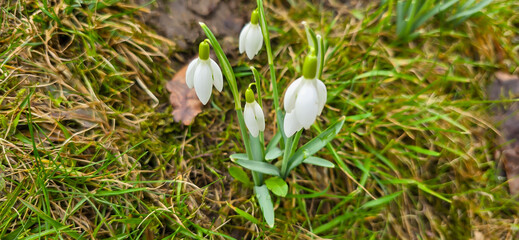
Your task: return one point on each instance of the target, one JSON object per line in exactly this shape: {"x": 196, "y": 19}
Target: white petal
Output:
{"x": 254, "y": 41}
{"x": 290, "y": 96}
{"x": 217, "y": 75}
{"x": 260, "y": 118}
{"x": 306, "y": 108}
{"x": 321, "y": 94}
{"x": 190, "y": 72}
{"x": 203, "y": 81}
{"x": 290, "y": 124}
{"x": 243, "y": 34}
{"x": 250, "y": 119}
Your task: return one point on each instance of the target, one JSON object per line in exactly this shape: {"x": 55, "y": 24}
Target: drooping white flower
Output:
{"x": 202, "y": 73}
{"x": 253, "y": 115}
{"x": 304, "y": 99}
{"x": 251, "y": 38}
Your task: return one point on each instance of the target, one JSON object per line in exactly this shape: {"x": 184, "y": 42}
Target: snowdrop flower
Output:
{"x": 304, "y": 99}
{"x": 253, "y": 115}
{"x": 202, "y": 73}
{"x": 251, "y": 38}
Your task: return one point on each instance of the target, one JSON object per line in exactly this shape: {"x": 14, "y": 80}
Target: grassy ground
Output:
{"x": 89, "y": 148}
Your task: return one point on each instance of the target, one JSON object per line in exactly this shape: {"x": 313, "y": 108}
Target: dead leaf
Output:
{"x": 506, "y": 86}
{"x": 86, "y": 117}
{"x": 202, "y": 7}
{"x": 511, "y": 162}
{"x": 184, "y": 100}
{"x": 178, "y": 20}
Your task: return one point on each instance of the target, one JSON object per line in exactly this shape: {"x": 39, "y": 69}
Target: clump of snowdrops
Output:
{"x": 303, "y": 103}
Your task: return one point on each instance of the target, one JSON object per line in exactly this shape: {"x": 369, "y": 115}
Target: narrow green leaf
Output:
{"x": 314, "y": 194}
{"x": 315, "y": 144}
{"x": 422, "y": 150}
{"x": 319, "y": 162}
{"x": 257, "y": 155}
{"x": 331, "y": 224}
{"x": 375, "y": 73}
{"x": 240, "y": 175}
{"x": 399, "y": 18}
{"x": 261, "y": 167}
{"x": 15, "y": 233}
{"x": 421, "y": 186}
{"x": 7, "y": 206}
{"x": 322, "y": 52}
{"x": 311, "y": 37}
{"x": 241, "y": 156}
{"x": 257, "y": 148}
{"x": 358, "y": 117}
{"x": 50, "y": 220}
{"x": 131, "y": 221}
{"x": 436, "y": 10}
{"x": 2, "y": 182}
{"x": 40, "y": 235}
{"x": 381, "y": 201}
{"x": 426, "y": 189}
{"x": 244, "y": 214}
{"x": 274, "y": 141}
{"x": 263, "y": 196}
{"x": 274, "y": 153}
{"x": 277, "y": 185}
{"x": 120, "y": 192}
{"x": 478, "y": 7}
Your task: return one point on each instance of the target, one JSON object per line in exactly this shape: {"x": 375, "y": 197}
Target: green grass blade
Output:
{"x": 468, "y": 13}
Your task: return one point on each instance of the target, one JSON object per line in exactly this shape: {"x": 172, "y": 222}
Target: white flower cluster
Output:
{"x": 304, "y": 99}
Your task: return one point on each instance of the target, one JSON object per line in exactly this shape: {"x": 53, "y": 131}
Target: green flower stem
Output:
{"x": 257, "y": 79}
{"x": 295, "y": 141}
{"x": 266, "y": 38}
{"x": 286, "y": 156}
{"x": 246, "y": 142}
{"x": 231, "y": 80}
{"x": 290, "y": 148}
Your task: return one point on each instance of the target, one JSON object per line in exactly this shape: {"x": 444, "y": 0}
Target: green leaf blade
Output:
{"x": 265, "y": 202}
{"x": 240, "y": 175}
{"x": 315, "y": 144}
{"x": 319, "y": 162}
{"x": 262, "y": 167}
{"x": 277, "y": 186}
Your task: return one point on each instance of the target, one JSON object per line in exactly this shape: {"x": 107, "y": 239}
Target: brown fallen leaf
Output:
{"x": 184, "y": 100}
{"x": 511, "y": 163}
{"x": 506, "y": 86}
